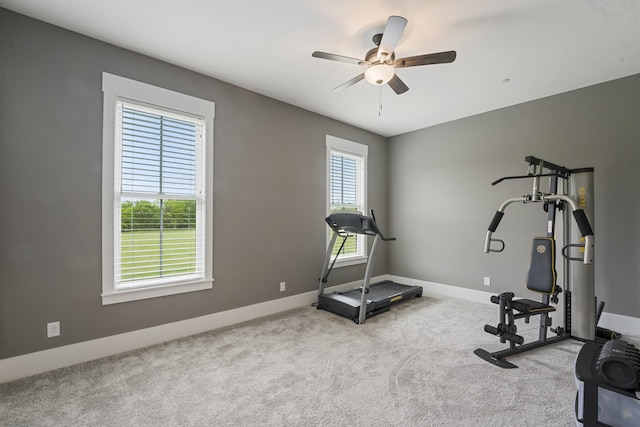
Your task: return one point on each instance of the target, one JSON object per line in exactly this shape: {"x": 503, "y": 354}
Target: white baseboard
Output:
{"x": 626, "y": 325}
{"x": 22, "y": 366}
{"x": 17, "y": 367}
{"x": 434, "y": 288}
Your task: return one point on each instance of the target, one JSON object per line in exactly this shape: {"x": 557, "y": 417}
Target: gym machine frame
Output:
{"x": 580, "y": 313}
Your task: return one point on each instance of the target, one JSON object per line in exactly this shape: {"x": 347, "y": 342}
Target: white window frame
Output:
{"x": 350, "y": 148}
{"x": 115, "y": 88}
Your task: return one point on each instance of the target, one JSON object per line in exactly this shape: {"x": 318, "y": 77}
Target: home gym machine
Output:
{"x": 580, "y": 318}
{"x": 370, "y": 299}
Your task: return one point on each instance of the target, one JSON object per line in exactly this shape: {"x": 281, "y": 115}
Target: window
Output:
{"x": 347, "y": 190}
{"x": 157, "y": 207}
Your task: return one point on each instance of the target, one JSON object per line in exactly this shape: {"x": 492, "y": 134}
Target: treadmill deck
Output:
{"x": 380, "y": 297}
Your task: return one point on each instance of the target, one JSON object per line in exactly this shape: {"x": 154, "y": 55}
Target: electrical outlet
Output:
{"x": 53, "y": 329}
{"x": 283, "y": 286}
{"x": 487, "y": 281}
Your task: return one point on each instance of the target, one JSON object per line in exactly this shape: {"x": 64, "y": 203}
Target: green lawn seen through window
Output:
{"x": 141, "y": 256}
{"x": 350, "y": 246}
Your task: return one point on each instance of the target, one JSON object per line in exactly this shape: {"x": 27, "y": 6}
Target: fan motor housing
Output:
{"x": 372, "y": 57}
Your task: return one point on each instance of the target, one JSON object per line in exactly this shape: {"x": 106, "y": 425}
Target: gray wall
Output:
{"x": 441, "y": 200}
{"x": 269, "y": 182}
{"x": 269, "y": 185}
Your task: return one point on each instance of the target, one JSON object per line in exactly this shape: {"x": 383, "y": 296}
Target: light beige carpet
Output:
{"x": 412, "y": 366}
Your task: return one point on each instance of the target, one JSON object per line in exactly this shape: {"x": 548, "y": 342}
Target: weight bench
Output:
{"x": 541, "y": 278}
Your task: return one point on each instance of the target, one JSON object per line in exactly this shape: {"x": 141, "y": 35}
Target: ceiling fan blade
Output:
{"x": 431, "y": 58}
{"x": 391, "y": 36}
{"x": 340, "y": 58}
{"x": 350, "y": 83}
{"x": 398, "y": 85}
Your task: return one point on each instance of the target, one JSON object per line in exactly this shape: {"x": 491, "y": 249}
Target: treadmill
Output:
{"x": 377, "y": 297}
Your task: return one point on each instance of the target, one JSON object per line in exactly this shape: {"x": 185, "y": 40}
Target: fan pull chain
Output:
{"x": 380, "y": 101}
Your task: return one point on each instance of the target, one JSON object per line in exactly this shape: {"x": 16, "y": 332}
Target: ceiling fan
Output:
{"x": 381, "y": 61}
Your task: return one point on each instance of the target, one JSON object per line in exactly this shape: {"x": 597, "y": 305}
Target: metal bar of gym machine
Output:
{"x": 582, "y": 191}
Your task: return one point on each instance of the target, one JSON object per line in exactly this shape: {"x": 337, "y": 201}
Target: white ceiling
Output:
{"x": 508, "y": 51}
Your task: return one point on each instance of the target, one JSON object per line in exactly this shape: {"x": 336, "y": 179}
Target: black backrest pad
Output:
{"x": 541, "y": 276}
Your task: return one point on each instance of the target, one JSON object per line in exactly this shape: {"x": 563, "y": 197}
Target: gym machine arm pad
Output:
{"x": 492, "y": 227}
{"x": 583, "y": 223}
{"x": 587, "y": 232}
{"x": 496, "y": 221}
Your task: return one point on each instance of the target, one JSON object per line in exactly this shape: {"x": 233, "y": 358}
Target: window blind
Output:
{"x": 346, "y": 192}
{"x": 160, "y": 169}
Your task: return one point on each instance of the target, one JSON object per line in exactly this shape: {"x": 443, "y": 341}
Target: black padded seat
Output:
{"x": 531, "y": 307}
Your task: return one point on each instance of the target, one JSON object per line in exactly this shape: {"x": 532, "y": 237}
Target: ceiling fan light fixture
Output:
{"x": 379, "y": 74}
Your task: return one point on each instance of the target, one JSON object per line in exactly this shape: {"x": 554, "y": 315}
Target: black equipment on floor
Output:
{"x": 580, "y": 314}
{"x": 608, "y": 381}
{"x": 370, "y": 299}
{"x": 541, "y": 278}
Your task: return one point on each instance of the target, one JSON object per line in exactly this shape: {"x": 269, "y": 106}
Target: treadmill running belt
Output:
{"x": 379, "y": 299}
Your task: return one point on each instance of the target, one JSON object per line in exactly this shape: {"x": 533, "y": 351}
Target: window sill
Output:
{"x": 116, "y": 297}
{"x": 351, "y": 261}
